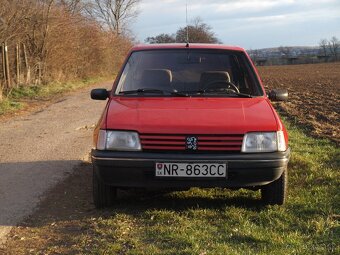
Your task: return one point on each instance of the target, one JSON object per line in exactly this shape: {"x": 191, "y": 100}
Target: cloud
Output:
{"x": 246, "y": 19}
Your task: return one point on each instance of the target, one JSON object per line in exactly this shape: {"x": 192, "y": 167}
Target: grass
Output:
{"x": 198, "y": 221}
{"x": 216, "y": 221}
{"x": 18, "y": 97}
{"x": 8, "y": 105}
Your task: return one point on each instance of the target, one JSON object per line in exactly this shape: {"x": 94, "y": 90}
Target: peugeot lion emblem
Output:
{"x": 191, "y": 143}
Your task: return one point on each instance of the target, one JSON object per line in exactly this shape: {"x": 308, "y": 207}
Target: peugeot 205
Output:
{"x": 189, "y": 115}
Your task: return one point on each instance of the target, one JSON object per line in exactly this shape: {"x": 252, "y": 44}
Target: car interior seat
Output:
{"x": 157, "y": 79}
{"x": 217, "y": 79}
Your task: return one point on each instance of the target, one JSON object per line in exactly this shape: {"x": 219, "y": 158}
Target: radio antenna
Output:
{"x": 186, "y": 21}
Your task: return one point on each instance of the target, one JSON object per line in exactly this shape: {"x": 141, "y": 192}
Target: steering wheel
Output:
{"x": 230, "y": 85}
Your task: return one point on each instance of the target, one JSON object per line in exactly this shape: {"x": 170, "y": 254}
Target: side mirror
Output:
{"x": 278, "y": 95}
{"x": 99, "y": 94}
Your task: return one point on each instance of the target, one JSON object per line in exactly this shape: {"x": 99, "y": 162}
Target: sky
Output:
{"x": 251, "y": 24}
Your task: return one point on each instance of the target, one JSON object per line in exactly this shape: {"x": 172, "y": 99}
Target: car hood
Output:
{"x": 191, "y": 115}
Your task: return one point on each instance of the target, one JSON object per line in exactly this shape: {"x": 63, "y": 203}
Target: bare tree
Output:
{"x": 334, "y": 45}
{"x": 114, "y": 14}
{"x": 54, "y": 40}
{"x": 73, "y": 6}
{"x": 13, "y": 18}
{"x": 198, "y": 31}
{"x": 13, "y": 24}
{"x": 161, "y": 38}
{"x": 323, "y": 46}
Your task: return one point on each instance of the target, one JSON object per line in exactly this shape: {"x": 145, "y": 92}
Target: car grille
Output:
{"x": 205, "y": 143}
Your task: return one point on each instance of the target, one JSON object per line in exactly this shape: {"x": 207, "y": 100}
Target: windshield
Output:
{"x": 190, "y": 71}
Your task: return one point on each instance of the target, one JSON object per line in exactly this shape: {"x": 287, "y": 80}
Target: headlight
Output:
{"x": 264, "y": 142}
{"x": 118, "y": 141}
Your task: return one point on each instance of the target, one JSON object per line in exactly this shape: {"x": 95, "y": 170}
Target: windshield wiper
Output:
{"x": 222, "y": 91}
{"x": 240, "y": 94}
{"x": 153, "y": 91}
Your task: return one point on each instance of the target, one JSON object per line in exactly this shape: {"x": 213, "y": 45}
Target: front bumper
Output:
{"x": 137, "y": 169}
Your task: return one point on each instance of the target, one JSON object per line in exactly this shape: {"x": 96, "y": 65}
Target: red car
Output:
{"x": 195, "y": 115}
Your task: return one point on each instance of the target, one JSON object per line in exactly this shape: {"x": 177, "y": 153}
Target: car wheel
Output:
{"x": 103, "y": 195}
{"x": 275, "y": 193}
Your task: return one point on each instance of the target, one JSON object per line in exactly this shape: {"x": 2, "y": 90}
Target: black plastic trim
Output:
{"x": 137, "y": 169}
{"x": 145, "y": 156}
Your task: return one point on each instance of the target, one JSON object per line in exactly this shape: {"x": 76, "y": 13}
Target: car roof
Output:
{"x": 184, "y": 46}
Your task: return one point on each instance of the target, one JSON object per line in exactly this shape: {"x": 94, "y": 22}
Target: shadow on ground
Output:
{"x": 67, "y": 210}
{"x": 72, "y": 199}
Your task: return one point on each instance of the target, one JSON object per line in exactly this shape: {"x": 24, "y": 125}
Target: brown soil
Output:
{"x": 314, "y": 99}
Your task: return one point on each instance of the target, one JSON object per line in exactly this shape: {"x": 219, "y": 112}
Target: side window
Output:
{"x": 123, "y": 76}
{"x": 130, "y": 74}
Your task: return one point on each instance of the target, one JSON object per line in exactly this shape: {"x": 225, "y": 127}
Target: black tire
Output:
{"x": 275, "y": 193}
{"x": 103, "y": 195}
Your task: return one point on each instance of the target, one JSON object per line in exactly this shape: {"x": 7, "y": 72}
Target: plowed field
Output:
{"x": 314, "y": 99}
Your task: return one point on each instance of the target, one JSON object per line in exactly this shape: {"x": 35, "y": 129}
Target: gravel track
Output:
{"x": 39, "y": 149}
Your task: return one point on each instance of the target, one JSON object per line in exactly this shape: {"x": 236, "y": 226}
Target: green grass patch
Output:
{"x": 198, "y": 221}
{"x": 8, "y": 105}
{"x": 218, "y": 221}
{"x": 17, "y": 96}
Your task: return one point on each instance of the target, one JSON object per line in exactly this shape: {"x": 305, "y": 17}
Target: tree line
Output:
{"x": 327, "y": 49}
{"x": 330, "y": 47}
{"x": 59, "y": 40}
{"x": 196, "y": 32}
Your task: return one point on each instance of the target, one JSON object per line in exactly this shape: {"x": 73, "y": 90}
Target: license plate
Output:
{"x": 191, "y": 170}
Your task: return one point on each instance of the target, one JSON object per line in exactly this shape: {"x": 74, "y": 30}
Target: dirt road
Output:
{"x": 39, "y": 149}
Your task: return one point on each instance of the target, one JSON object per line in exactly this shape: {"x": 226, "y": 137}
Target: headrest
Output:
{"x": 210, "y": 76}
{"x": 156, "y": 78}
